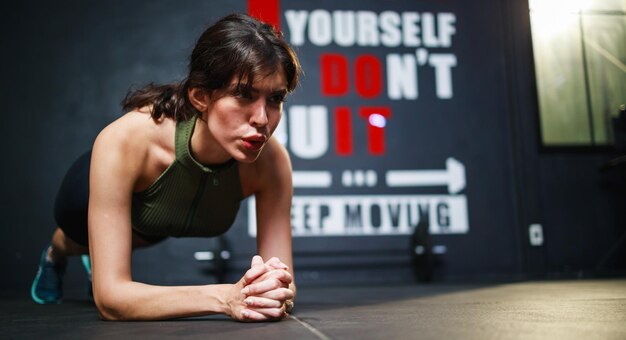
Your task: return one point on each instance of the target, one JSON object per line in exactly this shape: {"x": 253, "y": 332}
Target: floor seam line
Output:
{"x": 311, "y": 328}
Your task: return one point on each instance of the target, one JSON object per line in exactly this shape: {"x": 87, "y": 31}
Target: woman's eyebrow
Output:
{"x": 282, "y": 91}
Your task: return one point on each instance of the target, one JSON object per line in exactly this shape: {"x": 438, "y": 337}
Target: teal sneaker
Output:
{"x": 48, "y": 284}
{"x": 86, "y": 261}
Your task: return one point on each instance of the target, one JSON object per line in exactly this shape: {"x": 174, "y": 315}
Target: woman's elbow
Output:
{"x": 109, "y": 308}
{"x": 106, "y": 315}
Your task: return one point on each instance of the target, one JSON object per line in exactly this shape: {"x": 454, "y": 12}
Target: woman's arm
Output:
{"x": 273, "y": 208}
{"x": 117, "y": 161}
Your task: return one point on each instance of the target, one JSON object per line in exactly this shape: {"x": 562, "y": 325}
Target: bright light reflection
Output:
{"x": 377, "y": 120}
{"x": 549, "y": 25}
{"x": 559, "y": 6}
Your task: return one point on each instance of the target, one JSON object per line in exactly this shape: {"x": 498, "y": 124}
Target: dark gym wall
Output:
{"x": 67, "y": 66}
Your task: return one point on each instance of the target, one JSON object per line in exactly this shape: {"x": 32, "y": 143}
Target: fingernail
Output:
{"x": 244, "y": 313}
{"x": 245, "y": 291}
{"x": 248, "y": 302}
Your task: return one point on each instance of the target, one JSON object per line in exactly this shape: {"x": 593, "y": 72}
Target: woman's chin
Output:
{"x": 247, "y": 156}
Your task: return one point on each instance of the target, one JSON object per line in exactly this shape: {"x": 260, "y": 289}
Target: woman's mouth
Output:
{"x": 254, "y": 143}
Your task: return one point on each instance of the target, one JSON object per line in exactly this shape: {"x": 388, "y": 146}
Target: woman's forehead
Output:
{"x": 274, "y": 80}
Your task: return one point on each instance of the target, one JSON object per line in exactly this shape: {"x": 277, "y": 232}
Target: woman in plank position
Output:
{"x": 178, "y": 164}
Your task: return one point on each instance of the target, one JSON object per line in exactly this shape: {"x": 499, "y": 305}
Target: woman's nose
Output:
{"x": 259, "y": 114}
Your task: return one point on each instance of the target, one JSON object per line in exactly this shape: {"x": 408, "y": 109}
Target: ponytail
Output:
{"x": 166, "y": 100}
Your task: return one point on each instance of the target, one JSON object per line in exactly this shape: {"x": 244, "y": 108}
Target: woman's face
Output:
{"x": 242, "y": 121}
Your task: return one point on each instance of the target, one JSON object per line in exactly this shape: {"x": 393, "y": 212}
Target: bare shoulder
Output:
{"x": 271, "y": 170}
{"x": 129, "y": 139}
{"x": 124, "y": 130}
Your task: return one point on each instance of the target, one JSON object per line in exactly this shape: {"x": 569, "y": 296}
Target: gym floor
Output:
{"x": 578, "y": 309}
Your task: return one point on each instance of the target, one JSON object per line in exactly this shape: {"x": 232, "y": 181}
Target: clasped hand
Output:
{"x": 261, "y": 293}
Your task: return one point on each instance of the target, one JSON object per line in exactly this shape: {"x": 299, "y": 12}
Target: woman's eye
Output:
{"x": 278, "y": 99}
{"x": 242, "y": 94}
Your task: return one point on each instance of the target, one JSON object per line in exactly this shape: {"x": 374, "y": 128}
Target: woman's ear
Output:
{"x": 199, "y": 98}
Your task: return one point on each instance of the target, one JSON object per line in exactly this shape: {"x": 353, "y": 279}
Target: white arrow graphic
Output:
{"x": 453, "y": 177}
{"x": 312, "y": 179}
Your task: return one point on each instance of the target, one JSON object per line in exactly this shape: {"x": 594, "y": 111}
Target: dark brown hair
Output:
{"x": 235, "y": 46}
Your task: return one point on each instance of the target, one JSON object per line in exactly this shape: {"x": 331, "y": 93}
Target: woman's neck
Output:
{"x": 204, "y": 148}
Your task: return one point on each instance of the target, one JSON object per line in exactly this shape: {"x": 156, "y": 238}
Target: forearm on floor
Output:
{"x": 138, "y": 301}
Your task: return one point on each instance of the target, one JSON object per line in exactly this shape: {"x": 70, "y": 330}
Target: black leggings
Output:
{"x": 72, "y": 202}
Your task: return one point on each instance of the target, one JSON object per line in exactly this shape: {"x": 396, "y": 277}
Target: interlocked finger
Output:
{"x": 250, "y": 315}
{"x": 271, "y": 313}
{"x": 279, "y": 294}
{"x": 282, "y": 275}
{"x": 257, "y": 269}
{"x": 264, "y": 286}
{"x": 275, "y": 263}
{"x": 262, "y": 302}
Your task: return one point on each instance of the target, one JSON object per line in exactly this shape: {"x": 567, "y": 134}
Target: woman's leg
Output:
{"x": 70, "y": 213}
{"x": 63, "y": 247}
{"x": 47, "y": 286}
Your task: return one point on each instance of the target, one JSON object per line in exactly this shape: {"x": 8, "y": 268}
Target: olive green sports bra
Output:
{"x": 188, "y": 199}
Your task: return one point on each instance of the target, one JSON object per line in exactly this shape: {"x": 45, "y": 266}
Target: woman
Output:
{"x": 178, "y": 164}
